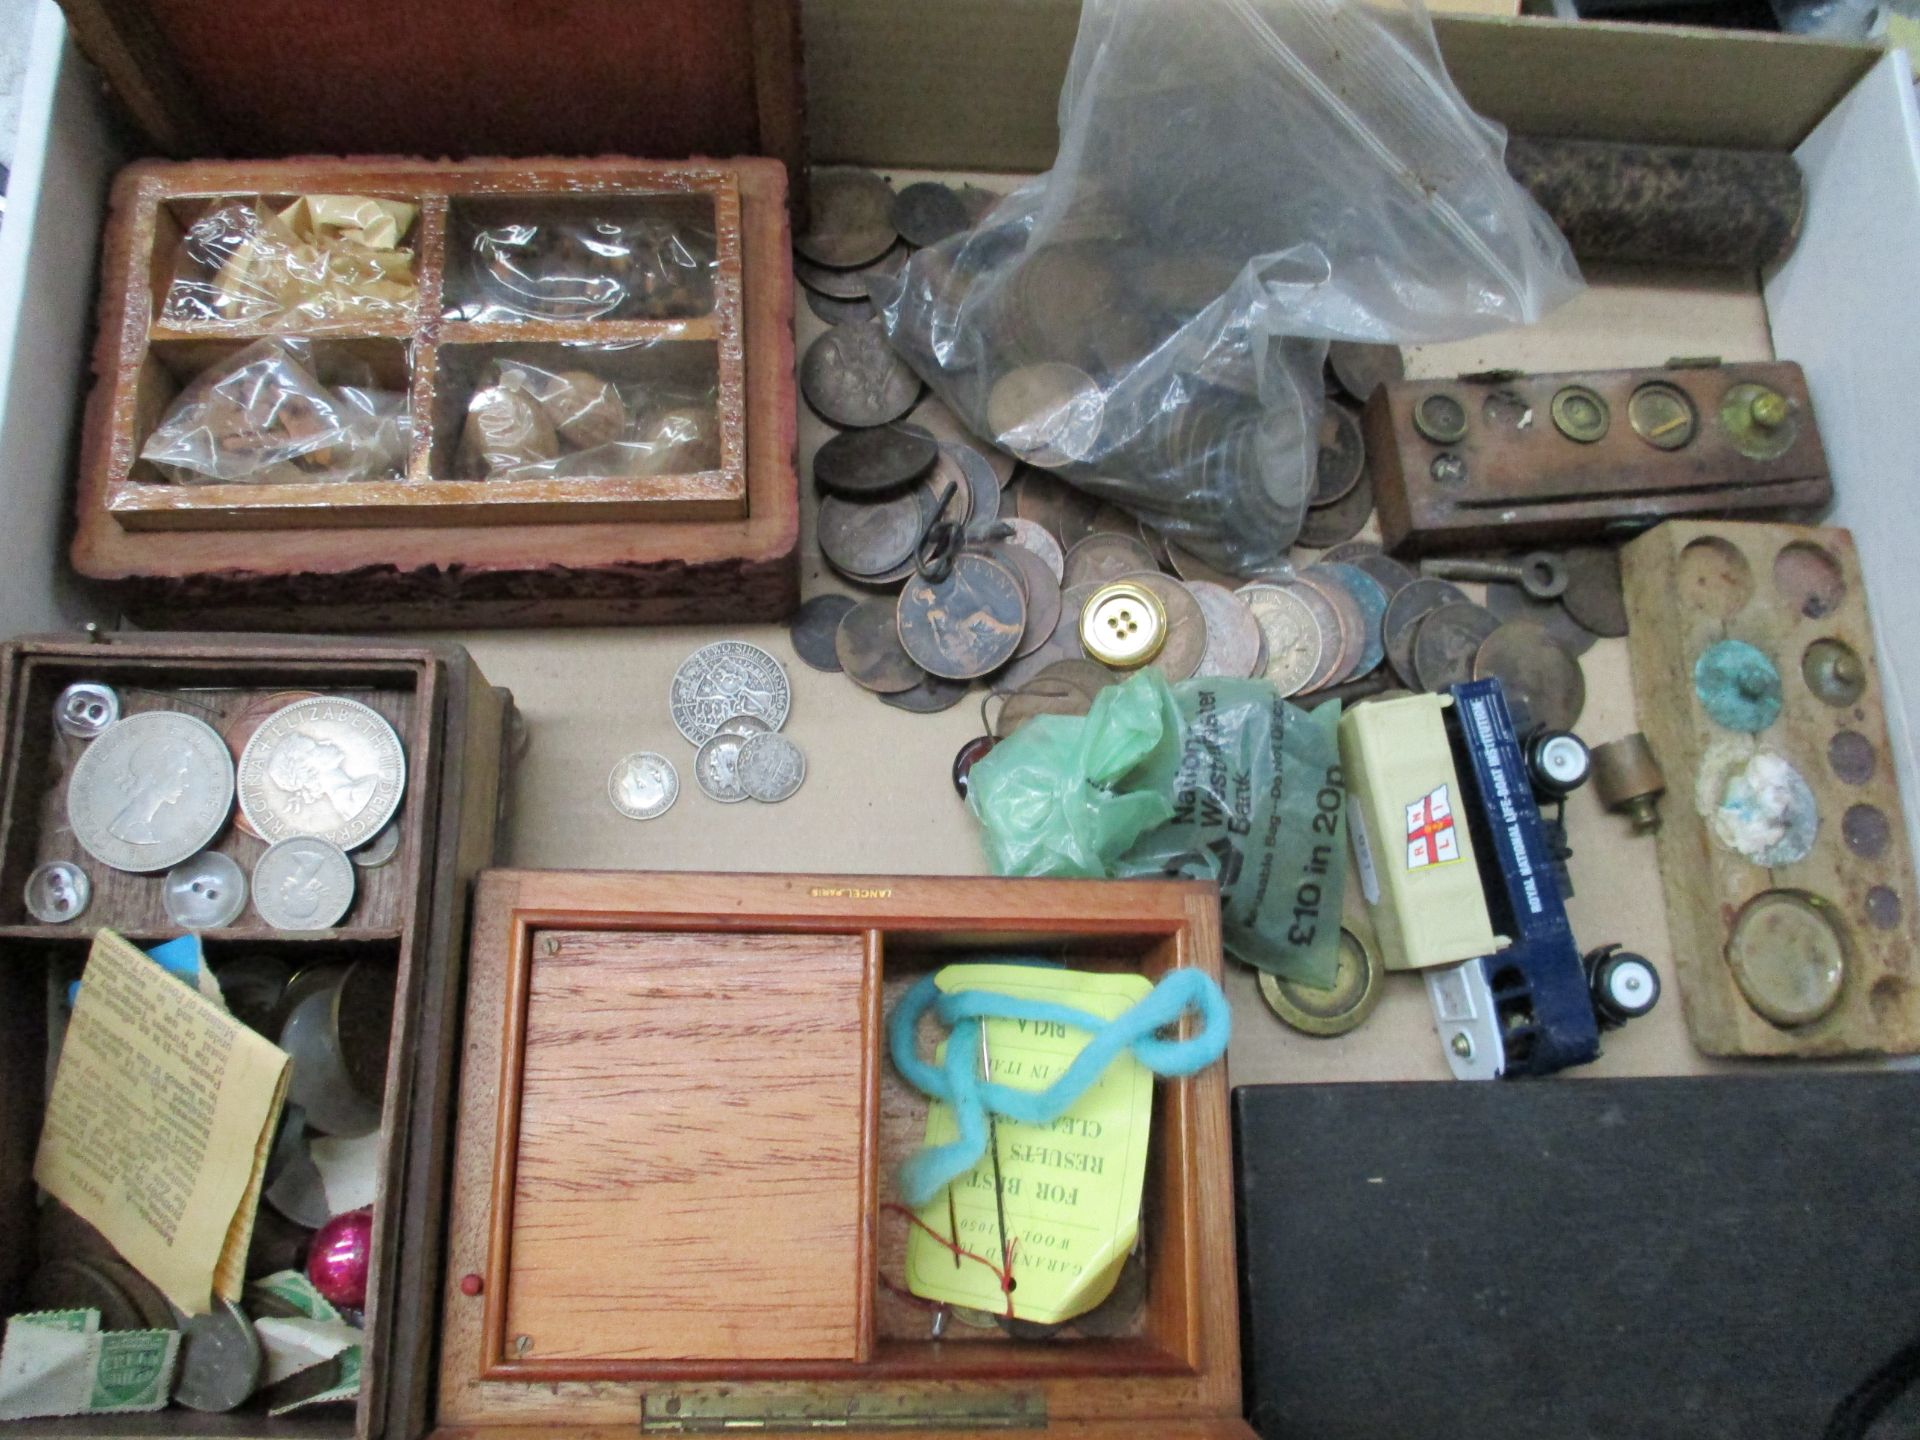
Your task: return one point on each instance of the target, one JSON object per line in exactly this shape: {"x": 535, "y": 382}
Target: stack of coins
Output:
{"x": 152, "y": 791}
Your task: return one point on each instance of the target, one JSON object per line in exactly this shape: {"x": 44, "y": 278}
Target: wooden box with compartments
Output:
{"x": 678, "y": 1128}
{"x": 368, "y": 393}
{"x": 401, "y": 935}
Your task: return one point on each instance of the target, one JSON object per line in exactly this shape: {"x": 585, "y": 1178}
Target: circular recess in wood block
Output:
{"x": 1788, "y": 954}
{"x": 1809, "y": 579}
{"x": 1851, "y": 756}
{"x": 1715, "y": 576}
{"x": 1883, "y": 908}
{"x": 1865, "y": 829}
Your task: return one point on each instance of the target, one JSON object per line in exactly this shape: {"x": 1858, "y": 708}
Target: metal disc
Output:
{"x": 1189, "y": 566}
{"x": 851, "y": 218}
{"x": 77, "y": 1284}
{"x": 1405, "y": 611}
{"x": 933, "y": 416}
{"x": 853, "y": 377}
{"x": 1371, "y": 598}
{"x": 1042, "y": 593}
{"x": 983, "y": 486}
{"x": 154, "y": 1312}
{"x": 1186, "y": 643}
{"x": 643, "y": 785}
{"x": 1048, "y": 414}
{"x": 1233, "y": 634}
{"x": 862, "y": 538}
{"x": 1361, "y": 369}
{"x": 870, "y": 462}
{"x": 1029, "y": 535}
{"x": 716, "y": 768}
{"x": 220, "y": 1358}
{"x": 1510, "y": 602}
{"x": 1388, "y": 573}
{"x": 1350, "y": 622}
{"x": 1358, "y": 979}
{"x": 968, "y": 624}
{"x": 1332, "y": 655}
{"x": 772, "y": 767}
{"x": 329, "y": 767}
{"x": 724, "y": 679}
{"x": 1067, "y": 687}
{"x": 1294, "y": 641}
{"x": 868, "y": 644}
{"x": 932, "y": 695}
{"x": 813, "y": 627}
{"x": 1055, "y": 506}
{"x": 838, "y": 312}
{"x": 1534, "y": 668}
{"x": 1342, "y": 458}
{"x": 1593, "y": 596}
{"x": 1116, "y": 1314}
{"x": 1446, "y": 643}
{"x": 928, "y": 212}
{"x": 1348, "y": 550}
{"x": 1342, "y": 520}
{"x": 848, "y": 285}
{"x": 1106, "y": 555}
{"x": 152, "y": 790}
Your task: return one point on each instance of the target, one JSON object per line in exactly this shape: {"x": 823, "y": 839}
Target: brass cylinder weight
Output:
{"x": 1628, "y": 778}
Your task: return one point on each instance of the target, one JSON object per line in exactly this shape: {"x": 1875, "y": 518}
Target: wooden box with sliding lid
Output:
{"x": 399, "y": 939}
{"x": 674, "y": 1193}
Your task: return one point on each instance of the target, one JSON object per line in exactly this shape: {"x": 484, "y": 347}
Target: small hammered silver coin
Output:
{"x": 303, "y": 883}
{"x": 771, "y": 767}
{"x": 725, "y": 679}
{"x": 643, "y": 786}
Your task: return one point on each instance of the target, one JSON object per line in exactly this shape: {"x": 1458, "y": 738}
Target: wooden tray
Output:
{"x": 1780, "y": 588}
{"x": 717, "y": 1250}
{"x": 433, "y": 549}
{"x": 408, "y": 916}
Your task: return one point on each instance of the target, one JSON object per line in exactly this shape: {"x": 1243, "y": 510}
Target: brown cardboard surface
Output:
{"x": 878, "y": 798}
{"x": 975, "y": 82}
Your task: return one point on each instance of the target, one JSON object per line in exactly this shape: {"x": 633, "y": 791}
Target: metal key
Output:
{"x": 1541, "y": 574}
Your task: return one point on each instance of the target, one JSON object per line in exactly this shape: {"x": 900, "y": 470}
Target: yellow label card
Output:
{"x": 1070, "y": 1190}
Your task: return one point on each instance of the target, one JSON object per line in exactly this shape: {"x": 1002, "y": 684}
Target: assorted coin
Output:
{"x": 162, "y": 793}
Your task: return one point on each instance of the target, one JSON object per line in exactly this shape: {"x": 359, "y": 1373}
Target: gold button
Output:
{"x": 1123, "y": 625}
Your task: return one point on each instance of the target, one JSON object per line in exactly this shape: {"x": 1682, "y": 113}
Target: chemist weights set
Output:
{"x": 1789, "y": 884}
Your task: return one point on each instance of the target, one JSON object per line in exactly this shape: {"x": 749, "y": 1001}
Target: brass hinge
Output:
{"x": 717, "y": 1412}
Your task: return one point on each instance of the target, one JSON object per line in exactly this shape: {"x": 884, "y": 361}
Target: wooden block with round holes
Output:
{"x": 1814, "y": 955}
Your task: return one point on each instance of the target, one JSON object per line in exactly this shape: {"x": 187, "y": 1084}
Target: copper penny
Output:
{"x": 1028, "y": 535}
{"x": 1066, "y": 687}
{"x": 1042, "y": 595}
{"x": 933, "y": 416}
{"x": 1446, "y": 643}
{"x": 983, "y": 486}
{"x": 1388, "y": 573}
{"x": 932, "y": 695}
{"x": 853, "y": 377}
{"x": 838, "y": 312}
{"x": 1371, "y": 598}
{"x": 1534, "y": 668}
{"x": 1350, "y": 621}
{"x": 966, "y": 625}
{"x": 1405, "y": 611}
{"x": 813, "y": 628}
{"x": 1055, "y": 506}
{"x": 1593, "y": 596}
{"x": 1233, "y": 634}
{"x": 851, "y": 218}
{"x": 1510, "y": 602}
{"x": 1345, "y": 518}
{"x": 1343, "y": 455}
{"x": 1105, "y": 555}
{"x": 867, "y": 538}
{"x": 868, "y": 644}
{"x": 1063, "y": 644}
{"x": 859, "y": 463}
{"x": 1186, "y": 643}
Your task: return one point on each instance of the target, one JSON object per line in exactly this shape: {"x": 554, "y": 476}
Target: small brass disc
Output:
{"x": 1441, "y": 418}
{"x": 1356, "y": 990}
{"x": 1580, "y": 414}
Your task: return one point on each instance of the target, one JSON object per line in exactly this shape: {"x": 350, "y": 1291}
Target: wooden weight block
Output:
{"x": 1796, "y": 956}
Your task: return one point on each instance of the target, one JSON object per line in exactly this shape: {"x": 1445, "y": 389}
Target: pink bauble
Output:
{"x": 340, "y": 1257}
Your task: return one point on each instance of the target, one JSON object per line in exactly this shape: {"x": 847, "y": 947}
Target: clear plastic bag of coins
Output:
{"x": 966, "y": 623}
{"x": 851, "y": 377}
{"x": 587, "y": 417}
{"x": 868, "y": 644}
{"x": 626, "y": 258}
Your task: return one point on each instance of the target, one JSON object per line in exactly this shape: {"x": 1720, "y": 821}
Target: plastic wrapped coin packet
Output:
{"x": 526, "y": 421}
{"x": 262, "y": 416}
{"x": 612, "y": 265}
{"x": 318, "y": 263}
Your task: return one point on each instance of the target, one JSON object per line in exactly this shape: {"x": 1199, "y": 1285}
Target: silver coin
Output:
{"x": 1294, "y": 641}
{"x": 379, "y": 850}
{"x": 643, "y": 786}
{"x": 1233, "y": 632}
{"x": 152, "y": 790}
{"x": 303, "y": 883}
{"x": 771, "y": 767}
{"x": 716, "y": 769}
{"x": 326, "y": 767}
{"x": 220, "y": 1358}
{"x": 743, "y": 726}
{"x": 725, "y": 679}
{"x": 1031, "y": 535}
{"x": 84, "y": 709}
{"x": 205, "y": 892}
{"x": 57, "y": 892}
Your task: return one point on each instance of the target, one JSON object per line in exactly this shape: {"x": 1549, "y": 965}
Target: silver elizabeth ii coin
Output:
{"x": 153, "y": 789}
{"x": 720, "y": 681}
{"x": 326, "y": 767}
{"x": 303, "y": 883}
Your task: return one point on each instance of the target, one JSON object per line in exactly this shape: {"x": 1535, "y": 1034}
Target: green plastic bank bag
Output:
{"x": 1211, "y": 779}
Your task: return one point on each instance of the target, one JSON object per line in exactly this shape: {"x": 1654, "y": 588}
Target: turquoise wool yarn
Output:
{"x": 958, "y": 1083}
